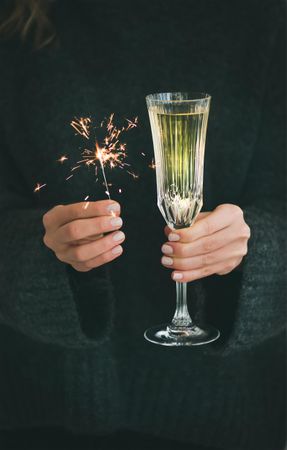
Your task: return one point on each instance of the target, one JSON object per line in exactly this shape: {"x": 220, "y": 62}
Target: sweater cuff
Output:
{"x": 92, "y": 293}
{"x": 261, "y": 308}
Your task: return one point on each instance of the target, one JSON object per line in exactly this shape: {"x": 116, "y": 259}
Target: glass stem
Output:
{"x": 181, "y": 317}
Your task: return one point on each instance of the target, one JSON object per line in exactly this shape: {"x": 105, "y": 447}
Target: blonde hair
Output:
{"x": 29, "y": 18}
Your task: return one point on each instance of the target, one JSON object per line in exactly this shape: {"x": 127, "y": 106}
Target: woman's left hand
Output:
{"x": 215, "y": 244}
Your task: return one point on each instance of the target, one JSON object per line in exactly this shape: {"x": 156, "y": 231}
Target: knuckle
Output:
{"x": 78, "y": 211}
{"x": 80, "y": 268}
{"x": 181, "y": 250}
{"x": 205, "y": 271}
{"x": 89, "y": 264}
{"x": 73, "y": 231}
{"x": 47, "y": 240}
{"x": 101, "y": 225}
{"x": 106, "y": 244}
{"x": 78, "y": 254}
{"x": 46, "y": 220}
{"x": 207, "y": 259}
{"x": 245, "y": 250}
{"x": 236, "y": 211}
{"x": 60, "y": 257}
{"x": 208, "y": 245}
{"x": 246, "y": 231}
{"x": 207, "y": 226}
{"x": 106, "y": 257}
{"x": 229, "y": 267}
{"x": 181, "y": 264}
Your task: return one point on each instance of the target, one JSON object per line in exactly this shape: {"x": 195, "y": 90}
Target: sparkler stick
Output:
{"x": 103, "y": 170}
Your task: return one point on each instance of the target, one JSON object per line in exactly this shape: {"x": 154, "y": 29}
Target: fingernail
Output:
{"x": 173, "y": 237}
{"x": 166, "y": 260}
{"x": 177, "y": 276}
{"x": 167, "y": 249}
{"x": 116, "y": 222}
{"x": 118, "y": 236}
{"x": 117, "y": 250}
{"x": 114, "y": 207}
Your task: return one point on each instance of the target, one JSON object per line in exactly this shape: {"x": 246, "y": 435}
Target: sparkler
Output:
{"x": 107, "y": 149}
{"x": 111, "y": 152}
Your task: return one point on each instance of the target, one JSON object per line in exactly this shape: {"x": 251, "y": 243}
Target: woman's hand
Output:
{"x": 215, "y": 244}
{"x": 75, "y": 233}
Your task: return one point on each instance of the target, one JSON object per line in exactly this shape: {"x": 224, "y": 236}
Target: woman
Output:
{"x": 72, "y": 321}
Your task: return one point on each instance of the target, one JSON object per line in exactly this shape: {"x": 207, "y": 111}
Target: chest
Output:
{"x": 110, "y": 60}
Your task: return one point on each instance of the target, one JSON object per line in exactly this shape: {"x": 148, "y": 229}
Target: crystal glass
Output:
{"x": 179, "y": 124}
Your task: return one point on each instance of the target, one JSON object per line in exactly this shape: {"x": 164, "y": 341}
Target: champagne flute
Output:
{"x": 179, "y": 124}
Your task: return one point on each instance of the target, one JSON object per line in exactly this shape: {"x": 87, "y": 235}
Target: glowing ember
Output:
{"x": 152, "y": 164}
{"x": 62, "y": 159}
{"x": 87, "y": 203}
{"x": 39, "y": 186}
{"x": 82, "y": 126}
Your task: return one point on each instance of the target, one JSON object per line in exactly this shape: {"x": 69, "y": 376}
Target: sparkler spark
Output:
{"x": 105, "y": 152}
{"x": 62, "y": 159}
{"x": 87, "y": 203}
{"x": 39, "y": 186}
{"x": 82, "y": 126}
{"x": 152, "y": 165}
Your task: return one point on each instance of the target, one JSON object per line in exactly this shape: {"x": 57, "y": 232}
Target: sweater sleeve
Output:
{"x": 40, "y": 296}
{"x": 261, "y": 307}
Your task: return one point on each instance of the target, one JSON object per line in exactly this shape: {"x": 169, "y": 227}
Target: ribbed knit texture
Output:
{"x": 72, "y": 351}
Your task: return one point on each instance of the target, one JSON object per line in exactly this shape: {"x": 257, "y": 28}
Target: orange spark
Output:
{"x": 152, "y": 165}
{"x": 132, "y": 123}
{"x": 62, "y": 159}
{"x": 39, "y": 186}
{"x": 82, "y": 126}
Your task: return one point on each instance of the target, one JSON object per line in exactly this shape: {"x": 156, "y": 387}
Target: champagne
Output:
{"x": 179, "y": 143}
{"x": 179, "y": 124}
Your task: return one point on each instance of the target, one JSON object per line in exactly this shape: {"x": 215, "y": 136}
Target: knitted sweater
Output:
{"x": 73, "y": 352}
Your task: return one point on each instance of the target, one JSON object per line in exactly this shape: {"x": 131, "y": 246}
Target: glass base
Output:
{"x": 179, "y": 336}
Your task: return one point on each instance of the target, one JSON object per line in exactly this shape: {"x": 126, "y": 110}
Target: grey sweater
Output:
{"x": 72, "y": 351}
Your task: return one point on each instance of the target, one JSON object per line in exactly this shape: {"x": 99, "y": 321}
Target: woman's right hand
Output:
{"x": 75, "y": 233}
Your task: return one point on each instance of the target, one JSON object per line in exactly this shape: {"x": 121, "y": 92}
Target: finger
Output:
{"x": 89, "y": 239}
{"x": 104, "y": 258}
{"x": 220, "y": 218}
{"x": 63, "y": 214}
{"x": 201, "y": 215}
{"x": 83, "y": 228}
{"x": 227, "y": 270}
{"x": 204, "y": 245}
{"x": 206, "y": 271}
{"x": 86, "y": 252}
{"x": 235, "y": 250}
